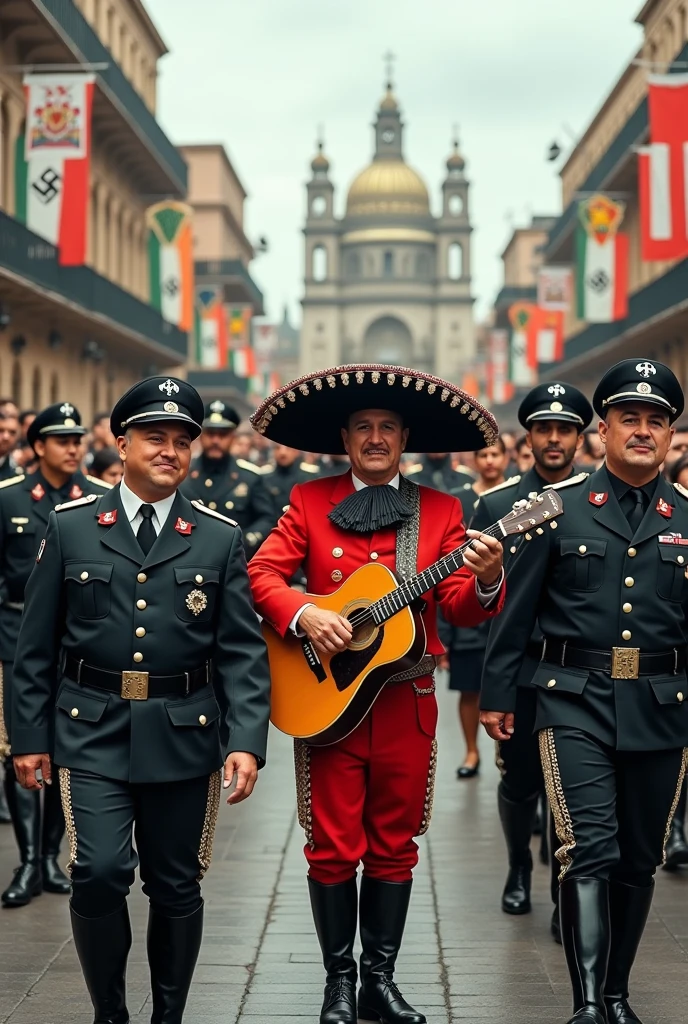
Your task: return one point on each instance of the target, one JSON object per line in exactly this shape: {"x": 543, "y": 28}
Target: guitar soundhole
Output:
{"x": 365, "y": 634}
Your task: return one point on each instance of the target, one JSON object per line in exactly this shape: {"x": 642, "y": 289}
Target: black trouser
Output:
{"x": 173, "y": 824}
{"x": 519, "y": 758}
{"x": 611, "y": 807}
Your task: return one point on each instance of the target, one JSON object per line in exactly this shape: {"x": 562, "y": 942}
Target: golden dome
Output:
{"x": 388, "y": 186}
{"x": 389, "y": 100}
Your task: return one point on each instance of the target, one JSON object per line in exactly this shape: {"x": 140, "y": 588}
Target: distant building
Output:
{"x": 388, "y": 282}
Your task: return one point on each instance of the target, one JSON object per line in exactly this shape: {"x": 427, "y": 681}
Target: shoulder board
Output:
{"x": 511, "y": 482}
{"x": 267, "y": 469}
{"x": 211, "y": 512}
{"x": 462, "y": 471}
{"x": 12, "y": 480}
{"x": 308, "y": 467}
{"x": 100, "y": 483}
{"x": 681, "y": 490}
{"x": 578, "y": 479}
{"x": 412, "y": 470}
{"x": 243, "y": 464}
{"x": 86, "y": 500}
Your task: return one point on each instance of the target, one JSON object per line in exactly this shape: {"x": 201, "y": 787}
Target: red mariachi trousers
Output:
{"x": 363, "y": 800}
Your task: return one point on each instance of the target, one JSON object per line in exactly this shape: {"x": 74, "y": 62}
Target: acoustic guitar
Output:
{"x": 321, "y": 698}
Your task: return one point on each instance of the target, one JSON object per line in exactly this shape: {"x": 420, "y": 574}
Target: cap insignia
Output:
{"x": 556, "y": 407}
{"x": 67, "y": 410}
{"x": 69, "y": 422}
{"x": 216, "y": 417}
{"x": 171, "y": 406}
{"x": 217, "y": 406}
{"x": 646, "y": 369}
{"x": 556, "y": 390}
{"x": 107, "y": 518}
{"x": 169, "y": 387}
{"x": 643, "y": 388}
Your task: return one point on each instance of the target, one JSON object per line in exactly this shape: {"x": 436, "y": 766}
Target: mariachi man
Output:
{"x": 363, "y": 799}
{"x": 25, "y": 506}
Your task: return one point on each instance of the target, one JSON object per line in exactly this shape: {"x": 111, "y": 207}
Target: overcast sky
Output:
{"x": 261, "y": 75}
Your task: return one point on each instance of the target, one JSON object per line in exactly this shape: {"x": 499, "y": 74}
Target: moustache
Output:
{"x": 377, "y": 449}
{"x": 642, "y": 444}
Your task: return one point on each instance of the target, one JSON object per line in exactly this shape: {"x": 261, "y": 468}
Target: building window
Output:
{"x": 319, "y": 263}
{"x": 17, "y": 383}
{"x": 455, "y": 205}
{"x": 36, "y": 389}
{"x": 318, "y": 206}
{"x": 54, "y": 387}
{"x": 388, "y": 264}
{"x": 353, "y": 265}
{"x": 423, "y": 266}
{"x": 455, "y": 262}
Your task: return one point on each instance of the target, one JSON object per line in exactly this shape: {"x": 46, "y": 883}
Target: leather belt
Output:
{"x": 620, "y": 662}
{"x": 136, "y": 685}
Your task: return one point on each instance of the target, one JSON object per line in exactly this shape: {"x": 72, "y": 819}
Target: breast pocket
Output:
{"x": 582, "y": 563}
{"x": 88, "y": 588}
{"x": 196, "y": 591}
{"x": 671, "y": 574}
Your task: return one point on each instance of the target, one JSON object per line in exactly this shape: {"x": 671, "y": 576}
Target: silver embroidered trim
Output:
{"x": 407, "y": 562}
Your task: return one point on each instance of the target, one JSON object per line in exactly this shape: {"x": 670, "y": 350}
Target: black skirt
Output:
{"x": 465, "y": 670}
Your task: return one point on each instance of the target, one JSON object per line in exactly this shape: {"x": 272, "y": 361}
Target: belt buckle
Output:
{"x": 134, "y": 686}
{"x": 625, "y": 662}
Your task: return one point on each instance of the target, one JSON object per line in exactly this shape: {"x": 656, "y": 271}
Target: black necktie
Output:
{"x": 146, "y": 535}
{"x": 636, "y": 512}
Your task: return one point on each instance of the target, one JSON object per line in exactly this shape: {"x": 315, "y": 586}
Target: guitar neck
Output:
{"x": 413, "y": 588}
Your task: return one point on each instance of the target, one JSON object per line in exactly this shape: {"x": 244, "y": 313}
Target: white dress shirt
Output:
{"x": 131, "y": 503}
{"x": 485, "y": 594}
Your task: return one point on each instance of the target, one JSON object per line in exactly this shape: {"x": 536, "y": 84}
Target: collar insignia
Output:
{"x": 598, "y": 497}
{"x": 664, "y": 508}
{"x": 183, "y": 527}
{"x": 75, "y": 493}
{"x": 38, "y": 492}
{"x": 107, "y": 518}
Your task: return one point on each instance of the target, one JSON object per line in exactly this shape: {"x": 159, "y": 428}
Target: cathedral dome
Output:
{"x": 388, "y": 187}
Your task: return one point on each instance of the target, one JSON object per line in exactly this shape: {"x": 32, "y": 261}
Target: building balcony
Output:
{"x": 237, "y": 283}
{"x": 50, "y": 31}
{"x": 225, "y": 385}
{"x": 31, "y": 275}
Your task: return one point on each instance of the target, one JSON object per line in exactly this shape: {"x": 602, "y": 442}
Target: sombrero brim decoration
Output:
{"x": 309, "y": 412}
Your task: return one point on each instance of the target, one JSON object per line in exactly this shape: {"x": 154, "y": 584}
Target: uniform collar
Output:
{"x": 359, "y": 485}
{"x": 131, "y": 503}
{"x": 621, "y": 488}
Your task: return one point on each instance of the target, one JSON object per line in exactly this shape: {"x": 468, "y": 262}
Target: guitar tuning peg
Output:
{"x": 528, "y": 536}
{"x": 554, "y": 525}
{"x": 540, "y": 499}
{"x": 540, "y": 530}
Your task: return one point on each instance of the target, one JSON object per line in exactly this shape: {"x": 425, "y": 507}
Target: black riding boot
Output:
{"x": 5, "y": 817}
{"x": 629, "y": 906}
{"x": 555, "y": 870}
{"x": 102, "y": 945}
{"x": 517, "y": 824}
{"x": 383, "y": 910}
{"x": 25, "y": 809}
{"x": 173, "y": 947}
{"x": 676, "y": 850}
{"x": 335, "y": 913}
{"x": 54, "y": 879}
{"x": 585, "y": 933}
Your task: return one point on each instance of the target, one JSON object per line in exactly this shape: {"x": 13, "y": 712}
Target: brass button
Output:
{"x": 229, "y": 504}
{"x": 374, "y": 555}
{"x": 142, "y": 577}
{"x": 20, "y": 529}
{"x": 552, "y": 683}
{"x": 212, "y": 505}
{"x": 74, "y": 712}
{"x": 202, "y": 719}
{"x": 679, "y": 697}
{"x": 632, "y": 552}
{"x": 140, "y": 631}
{"x": 336, "y": 576}
{"x": 337, "y": 552}
{"x": 628, "y": 607}
{"x": 629, "y": 581}
{"x": 138, "y": 656}
{"x": 582, "y": 549}
{"x": 626, "y": 635}
{"x": 84, "y": 575}
{"x": 141, "y": 604}
{"x": 209, "y": 483}
{"x": 680, "y": 559}
{"x": 513, "y": 549}
{"x": 199, "y": 578}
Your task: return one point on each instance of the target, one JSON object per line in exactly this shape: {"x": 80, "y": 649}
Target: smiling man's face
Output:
{"x": 375, "y": 440}
{"x": 637, "y": 436}
{"x": 156, "y": 458}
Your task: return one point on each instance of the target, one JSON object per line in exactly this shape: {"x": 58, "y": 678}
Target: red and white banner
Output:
{"x": 663, "y": 171}
{"x": 57, "y": 157}
{"x": 499, "y": 388}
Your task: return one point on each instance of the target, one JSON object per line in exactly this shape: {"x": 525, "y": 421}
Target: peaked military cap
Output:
{"x": 157, "y": 400}
{"x": 60, "y": 418}
{"x": 640, "y": 380}
{"x": 220, "y": 416}
{"x": 555, "y": 401}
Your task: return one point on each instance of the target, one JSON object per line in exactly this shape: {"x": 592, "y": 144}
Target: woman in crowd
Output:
{"x": 107, "y": 466}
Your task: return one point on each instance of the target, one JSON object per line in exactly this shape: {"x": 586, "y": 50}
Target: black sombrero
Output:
{"x": 309, "y": 412}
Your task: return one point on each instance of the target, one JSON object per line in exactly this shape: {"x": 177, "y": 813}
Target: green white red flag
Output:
{"x": 170, "y": 254}
{"x": 210, "y": 329}
{"x": 602, "y": 261}
{"x": 243, "y": 362}
{"x": 52, "y": 173}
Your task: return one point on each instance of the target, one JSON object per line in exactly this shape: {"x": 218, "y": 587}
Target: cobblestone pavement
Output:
{"x": 462, "y": 958}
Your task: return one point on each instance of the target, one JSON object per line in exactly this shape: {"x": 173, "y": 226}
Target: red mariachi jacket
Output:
{"x": 305, "y": 536}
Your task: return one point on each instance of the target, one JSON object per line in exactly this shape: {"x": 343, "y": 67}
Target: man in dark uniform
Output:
{"x": 289, "y": 469}
{"x": 25, "y": 506}
{"x": 554, "y": 416}
{"x": 9, "y": 436}
{"x": 437, "y": 470}
{"x": 232, "y": 486}
{"x": 609, "y": 590}
{"x": 140, "y": 672}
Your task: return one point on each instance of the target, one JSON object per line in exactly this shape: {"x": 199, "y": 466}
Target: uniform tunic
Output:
{"x": 235, "y": 488}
